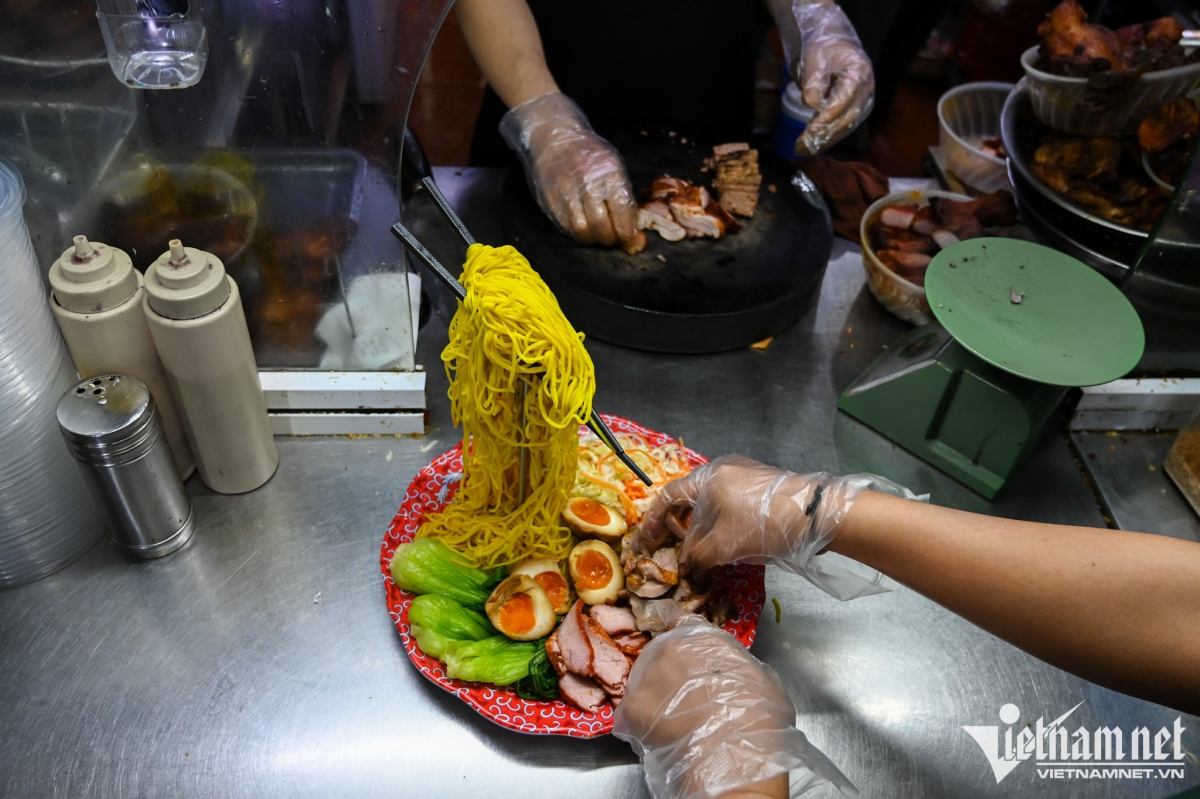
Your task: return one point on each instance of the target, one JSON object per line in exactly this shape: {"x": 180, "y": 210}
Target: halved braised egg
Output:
{"x": 520, "y": 609}
{"x": 591, "y": 519}
{"x": 548, "y": 573}
{"x": 596, "y": 572}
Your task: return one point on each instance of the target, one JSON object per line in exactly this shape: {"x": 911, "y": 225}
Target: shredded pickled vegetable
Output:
{"x": 605, "y": 479}
{"x": 510, "y": 330}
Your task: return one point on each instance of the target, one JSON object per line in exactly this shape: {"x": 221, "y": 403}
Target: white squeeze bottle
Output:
{"x": 196, "y": 317}
{"x": 96, "y": 296}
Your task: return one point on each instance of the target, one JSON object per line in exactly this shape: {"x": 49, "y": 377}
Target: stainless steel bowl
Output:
{"x": 1105, "y": 246}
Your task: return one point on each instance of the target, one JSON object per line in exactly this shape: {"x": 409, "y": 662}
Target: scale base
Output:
{"x": 931, "y": 396}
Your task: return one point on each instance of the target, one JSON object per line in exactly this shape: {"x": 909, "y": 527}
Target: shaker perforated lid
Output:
{"x": 107, "y": 416}
{"x": 92, "y": 277}
{"x": 186, "y": 283}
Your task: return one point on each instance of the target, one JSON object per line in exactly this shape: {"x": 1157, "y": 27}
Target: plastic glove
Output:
{"x": 706, "y": 717}
{"x": 827, "y": 61}
{"x": 578, "y": 178}
{"x": 745, "y": 512}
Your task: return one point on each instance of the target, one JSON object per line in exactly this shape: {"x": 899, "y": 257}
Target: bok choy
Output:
{"x": 437, "y": 621}
{"x": 427, "y": 566}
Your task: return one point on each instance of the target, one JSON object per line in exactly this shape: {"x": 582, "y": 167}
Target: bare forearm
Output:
{"x": 504, "y": 40}
{"x": 1120, "y": 609}
{"x": 773, "y": 788}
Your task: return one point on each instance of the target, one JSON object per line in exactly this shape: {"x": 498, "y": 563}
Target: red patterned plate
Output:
{"x": 430, "y": 491}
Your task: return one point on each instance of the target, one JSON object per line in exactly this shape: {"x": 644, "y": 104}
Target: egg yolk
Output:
{"x": 594, "y": 570}
{"x": 517, "y": 615}
{"x": 556, "y": 587}
{"x": 590, "y": 511}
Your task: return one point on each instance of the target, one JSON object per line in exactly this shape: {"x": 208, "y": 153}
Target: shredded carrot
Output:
{"x": 631, "y": 511}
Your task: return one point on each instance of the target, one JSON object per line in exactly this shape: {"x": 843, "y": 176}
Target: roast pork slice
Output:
{"x": 927, "y": 221}
{"x": 687, "y": 597}
{"x": 610, "y": 666}
{"x": 944, "y": 238}
{"x": 665, "y": 187}
{"x": 898, "y": 216}
{"x": 573, "y": 642}
{"x": 554, "y": 652}
{"x": 958, "y": 218}
{"x": 661, "y": 567}
{"x": 613, "y": 620}
{"x": 667, "y": 559}
{"x": 646, "y": 587}
{"x": 690, "y": 209}
{"x": 656, "y": 216}
{"x": 581, "y": 692}
{"x": 631, "y": 643}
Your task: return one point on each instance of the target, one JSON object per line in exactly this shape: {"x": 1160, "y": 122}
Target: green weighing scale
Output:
{"x": 1019, "y": 324}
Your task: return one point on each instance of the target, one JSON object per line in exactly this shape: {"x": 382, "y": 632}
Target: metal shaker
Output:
{"x": 114, "y": 430}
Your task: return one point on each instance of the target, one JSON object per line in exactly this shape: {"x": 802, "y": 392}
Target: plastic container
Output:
{"x": 47, "y": 515}
{"x": 1055, "y": 98}
{"x": 967, "y": 115}
{"x": 902, "y": 298}
{"x": 96, "y": 296}
{"x": 153, "y": 52}
{"x": 791, "y": 122}
{"x": 196, "y": 317}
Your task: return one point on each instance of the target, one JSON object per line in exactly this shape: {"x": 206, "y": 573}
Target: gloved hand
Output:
{"x": 745, "y": 512}
{"x": 706, "y": 717}
{"x": 577, "y": 177}
{"x": 827, "y": 61}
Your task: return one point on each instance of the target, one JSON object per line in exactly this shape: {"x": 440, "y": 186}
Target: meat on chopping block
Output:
{"x": 738, "y": 178}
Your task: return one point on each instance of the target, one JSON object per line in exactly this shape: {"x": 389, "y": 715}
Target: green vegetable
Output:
{"x": 436, "y": 621}
{"x": 427, "y": 566}
{"x": 542, "y": 681}
{"x": 498, "y": 660}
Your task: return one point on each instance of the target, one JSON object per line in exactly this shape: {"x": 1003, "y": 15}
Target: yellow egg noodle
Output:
{"x": 510, "y": 330}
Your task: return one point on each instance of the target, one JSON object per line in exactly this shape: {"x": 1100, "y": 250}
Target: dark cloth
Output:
{"x": 849, "y": 188}
{"x": 685, "y": 65}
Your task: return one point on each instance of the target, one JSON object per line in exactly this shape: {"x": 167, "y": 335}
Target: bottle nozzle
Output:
{"x": 178, "y": 255}
{"x": 83, "y": 248}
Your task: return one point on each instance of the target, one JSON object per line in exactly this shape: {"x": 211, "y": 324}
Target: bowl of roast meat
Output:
{"x": 1091, "y": 80}
{"x": 902, "y": 232}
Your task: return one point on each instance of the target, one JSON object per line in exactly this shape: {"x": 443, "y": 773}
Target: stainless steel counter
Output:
{"x": 260, "y": 660}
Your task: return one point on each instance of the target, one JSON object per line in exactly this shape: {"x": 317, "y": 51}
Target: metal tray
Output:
{"x": 1054, "y": 217}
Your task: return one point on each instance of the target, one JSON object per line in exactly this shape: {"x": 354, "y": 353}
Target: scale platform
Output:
{"x": 1018, "y": 324}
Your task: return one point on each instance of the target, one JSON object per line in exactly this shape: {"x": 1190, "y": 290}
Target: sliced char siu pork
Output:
{"x": 656, "y": 215}
{"x": 573, "y": 644}
{"x": 614, "y": 620}
{"x": 610, "y": 666}
{"x": 582, "y": 648}
{"x": 631, "y": 643}
{"x": 581, "y": 692}
{"x": 690, "y": 209}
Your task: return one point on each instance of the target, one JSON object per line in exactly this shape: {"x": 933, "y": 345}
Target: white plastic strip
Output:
{"x": 1144, "y": 404}
{"x": 345, "y": 424}
{"x": 343, "y": 391}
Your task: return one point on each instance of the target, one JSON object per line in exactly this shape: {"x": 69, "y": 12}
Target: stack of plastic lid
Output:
{"x": 47, "y": 515}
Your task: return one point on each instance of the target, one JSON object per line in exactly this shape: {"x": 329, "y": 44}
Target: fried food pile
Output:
{"x": 1111, "y": 60}
{"x": 1101, "y": 174}
{"x": 1168, "y": 135}
{"x": 906, "y": 237}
